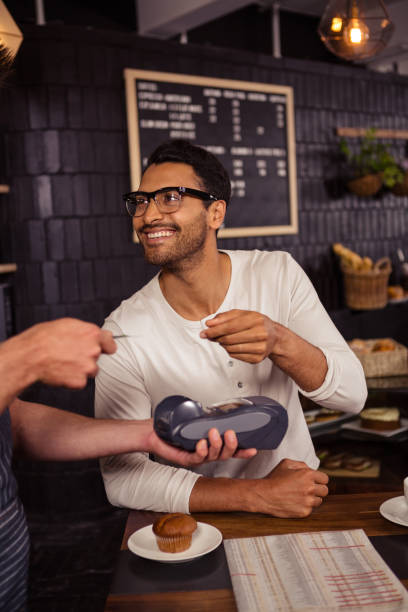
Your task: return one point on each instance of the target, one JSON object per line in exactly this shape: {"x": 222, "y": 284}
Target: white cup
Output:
{"x": 406, "y": 489}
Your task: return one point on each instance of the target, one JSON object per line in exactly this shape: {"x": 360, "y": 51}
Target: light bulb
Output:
{"x": 355, "y": 29}
{"x": 356, "y": 32}
{"x": 336, "y": 24}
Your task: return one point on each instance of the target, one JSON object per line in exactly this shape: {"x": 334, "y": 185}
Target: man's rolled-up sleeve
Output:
{"x": 133, "y": 480}
{"x": 344, "y": 387}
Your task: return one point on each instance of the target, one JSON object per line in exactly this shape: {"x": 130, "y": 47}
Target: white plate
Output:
{"x": 205, "y": 539}
{"x": 395, "y": 510}
{"x": 355, "y": 425}
{"x": 334, "y": 421}
{"x": 398, "y": 300}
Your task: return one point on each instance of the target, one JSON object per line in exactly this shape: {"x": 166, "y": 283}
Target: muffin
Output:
{"x": 381, "y": 419}
{"x": 174, "y": 532}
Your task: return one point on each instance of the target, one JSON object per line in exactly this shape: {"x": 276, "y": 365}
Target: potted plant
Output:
{"x": 401, "y": 187}
{"x": 372, "y": 166}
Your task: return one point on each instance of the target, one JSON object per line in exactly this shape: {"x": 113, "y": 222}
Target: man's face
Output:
{"x": 176, "y": 239}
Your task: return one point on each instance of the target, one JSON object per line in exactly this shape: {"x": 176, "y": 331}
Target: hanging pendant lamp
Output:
{"x": 10, "y": 34}
{"x": 355, "y": 29}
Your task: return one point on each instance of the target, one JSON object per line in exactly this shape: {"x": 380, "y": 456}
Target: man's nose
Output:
{"x": 152, "y": 211}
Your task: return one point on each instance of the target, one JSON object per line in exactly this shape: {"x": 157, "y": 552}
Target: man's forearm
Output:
{"x": 221, "y": 495}
{"x": 49, "y": 434}
{"x": 302, "y": 361}
{"x": 291, "y": 490}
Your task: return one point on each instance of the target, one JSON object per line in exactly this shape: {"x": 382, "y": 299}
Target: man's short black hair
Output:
{"x": 208, "y": 168}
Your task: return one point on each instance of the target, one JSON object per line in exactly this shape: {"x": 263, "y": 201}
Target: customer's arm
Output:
{"x": 308, "y": 348}
{"x": 291, "y": 490}
{"x": 133, "y": 480}
{"x": 62, "y": 352}
{"x": 252, "y": 337}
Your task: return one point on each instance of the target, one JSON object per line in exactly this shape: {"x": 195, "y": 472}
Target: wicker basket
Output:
{"x": 384, "y": 363}
{"x": 367, "y": 289}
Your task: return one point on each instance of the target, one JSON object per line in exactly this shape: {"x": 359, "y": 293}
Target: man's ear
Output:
{"x": 216, "y": 213}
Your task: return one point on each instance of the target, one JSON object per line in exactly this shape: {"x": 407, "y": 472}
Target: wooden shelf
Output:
{"x": 4, "y": 188}
{"x": 7, "y": 267}
{"x": 356, "y": 132}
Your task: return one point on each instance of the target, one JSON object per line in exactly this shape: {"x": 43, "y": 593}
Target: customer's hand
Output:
{"x": 291, "y": 490}
{"x": 246, "y": 335}
{"x": 252, "y": 337}
{"x": 65, "y": 352}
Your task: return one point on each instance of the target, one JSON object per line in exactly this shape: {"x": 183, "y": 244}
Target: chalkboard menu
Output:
{"x": 248, "y": 126}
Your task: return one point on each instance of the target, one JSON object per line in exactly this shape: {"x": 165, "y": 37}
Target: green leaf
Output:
{"x": 372, "y": 157}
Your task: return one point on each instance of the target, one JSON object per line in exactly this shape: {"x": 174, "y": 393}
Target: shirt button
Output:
{"x": 230, "y": 363}
{"x": 240, "y": 384}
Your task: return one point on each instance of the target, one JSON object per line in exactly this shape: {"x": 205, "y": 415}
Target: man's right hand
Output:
{"x": 65, "y": 352}
{"x": 291, "y": 490}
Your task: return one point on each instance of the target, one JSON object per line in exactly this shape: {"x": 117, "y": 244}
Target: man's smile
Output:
{"x": 160, "y": 233}
{"x": 157, "y": 234}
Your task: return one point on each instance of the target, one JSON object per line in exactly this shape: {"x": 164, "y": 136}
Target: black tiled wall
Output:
{"x": 65, "y": 140}
{"x": 64, "y": 122}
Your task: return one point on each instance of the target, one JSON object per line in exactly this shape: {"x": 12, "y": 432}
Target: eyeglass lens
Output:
{"x": 166, "y": 201}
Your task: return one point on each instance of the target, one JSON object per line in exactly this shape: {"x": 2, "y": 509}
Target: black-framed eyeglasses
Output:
{"x": 167, "y": 199}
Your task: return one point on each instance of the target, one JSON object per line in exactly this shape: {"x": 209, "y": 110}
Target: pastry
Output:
{"x": 380, "y": 419}
{"x": 358, "y": 345}
{"x": 384, "y": 344}
{"x": 346, "y": 461}
{"x": 326, "y": 414}
{"x": 395, "y": 292}
{"x": 356, "y": 464}
{"x": 174, "y": 532}
{"x": 310, "y": 417}
{"x": 334, "y": 461}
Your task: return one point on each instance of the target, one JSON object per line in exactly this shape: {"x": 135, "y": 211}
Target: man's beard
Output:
{"x": 186, "y": 250}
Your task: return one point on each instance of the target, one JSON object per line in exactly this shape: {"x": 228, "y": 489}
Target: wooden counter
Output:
{"x": 337, "y": 512}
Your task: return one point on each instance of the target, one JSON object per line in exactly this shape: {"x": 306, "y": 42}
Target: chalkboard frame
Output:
{"x": 131, "y": 75}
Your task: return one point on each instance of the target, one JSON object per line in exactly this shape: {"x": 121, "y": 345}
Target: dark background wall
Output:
{"x": 63, "y": 121}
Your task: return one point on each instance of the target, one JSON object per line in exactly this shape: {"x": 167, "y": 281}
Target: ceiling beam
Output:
{"x": 166, "y": 19}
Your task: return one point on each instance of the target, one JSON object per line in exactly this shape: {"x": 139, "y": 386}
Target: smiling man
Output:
{"x": 214, "y": 325}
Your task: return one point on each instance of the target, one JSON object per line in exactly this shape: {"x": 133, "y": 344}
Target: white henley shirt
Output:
{"x": 166, "y": 356}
